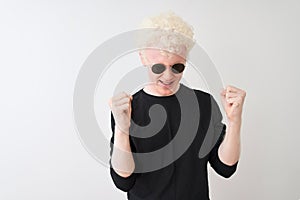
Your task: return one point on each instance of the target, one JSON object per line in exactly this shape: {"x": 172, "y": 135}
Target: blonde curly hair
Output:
{"x": 167, "y": 32}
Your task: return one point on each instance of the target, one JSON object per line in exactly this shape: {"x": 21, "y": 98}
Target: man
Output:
{"x": 186, "y": 177}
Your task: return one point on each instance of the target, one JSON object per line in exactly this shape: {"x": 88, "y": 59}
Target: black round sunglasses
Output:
{"x": 160, "y": 68}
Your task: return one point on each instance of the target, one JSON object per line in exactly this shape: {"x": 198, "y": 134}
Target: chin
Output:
{"x": 165, "y": 91}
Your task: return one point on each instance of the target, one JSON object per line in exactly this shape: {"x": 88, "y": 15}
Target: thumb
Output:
{"x": 223, "y": 97}
{"x": 235, "y": 104}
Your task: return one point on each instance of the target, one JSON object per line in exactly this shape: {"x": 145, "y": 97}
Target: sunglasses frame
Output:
{"x": 165, "y": 67}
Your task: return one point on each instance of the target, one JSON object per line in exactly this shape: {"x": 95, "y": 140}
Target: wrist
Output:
{"x": 234, "y": 127}
{"x": 235, "y": 122}
{"x": 121, "y": 131}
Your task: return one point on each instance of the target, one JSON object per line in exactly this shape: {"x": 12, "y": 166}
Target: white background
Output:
{"x": 254, "y": 45}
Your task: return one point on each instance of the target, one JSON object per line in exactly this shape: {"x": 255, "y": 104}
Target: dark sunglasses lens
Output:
{"x": 158, "y": 68}
{"x": 178, "y": 68}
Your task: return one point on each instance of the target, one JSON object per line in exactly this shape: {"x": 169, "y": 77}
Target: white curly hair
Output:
{"x": 167, "y": 32}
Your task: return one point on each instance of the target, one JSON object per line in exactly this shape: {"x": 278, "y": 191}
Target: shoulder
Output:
{"x": 139, "y": 100}
{"x": 207, "y": 103}
{"x": 138, "y": 95}
{"x": 202, "y": 96}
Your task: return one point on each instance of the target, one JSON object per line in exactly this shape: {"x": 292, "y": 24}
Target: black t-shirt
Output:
{"x": 186, "y": 178}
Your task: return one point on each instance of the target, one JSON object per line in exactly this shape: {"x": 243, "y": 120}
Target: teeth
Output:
{"x": 166, "y": 83}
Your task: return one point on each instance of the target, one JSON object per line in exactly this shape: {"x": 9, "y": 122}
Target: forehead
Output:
{"x": 159, "y": 56}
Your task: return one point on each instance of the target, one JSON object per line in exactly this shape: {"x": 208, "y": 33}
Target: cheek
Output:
{"x": 178, "y": 77}
{"x": 153, "y": 77}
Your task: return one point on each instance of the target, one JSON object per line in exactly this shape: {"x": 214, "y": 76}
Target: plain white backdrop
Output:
{"x": 254, "y": 45}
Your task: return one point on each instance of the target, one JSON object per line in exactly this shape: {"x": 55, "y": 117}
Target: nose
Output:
{"x": 168, "y": 74}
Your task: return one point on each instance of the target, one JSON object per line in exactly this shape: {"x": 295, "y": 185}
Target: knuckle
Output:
{"x": 243, "y": 93}
{"x": 124, "y": 94}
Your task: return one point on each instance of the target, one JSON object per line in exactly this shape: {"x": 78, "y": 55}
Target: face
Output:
{"x": 166, "y": 83}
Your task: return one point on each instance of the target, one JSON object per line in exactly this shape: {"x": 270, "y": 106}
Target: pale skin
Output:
{"x": 232, "y": 100}
{"x": 166, "y": 84}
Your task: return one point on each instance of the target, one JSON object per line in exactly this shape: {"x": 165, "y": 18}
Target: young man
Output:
{"x": 186, "y": 177}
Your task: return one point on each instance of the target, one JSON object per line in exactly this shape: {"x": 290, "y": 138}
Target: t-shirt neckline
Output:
{"x": 162, "y": 97}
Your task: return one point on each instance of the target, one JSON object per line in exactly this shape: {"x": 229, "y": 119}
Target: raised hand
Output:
{"x": 233, "y": 100}
{"x": 121, "y": 109}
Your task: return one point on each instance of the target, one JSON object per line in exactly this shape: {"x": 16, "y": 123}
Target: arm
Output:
{"x": 232, "y": 99}
{"x": 122, "y": 159}
{"x": 121, "y": 162}
{"x": 229, "y": 150}
{"x": 221, "y": 167}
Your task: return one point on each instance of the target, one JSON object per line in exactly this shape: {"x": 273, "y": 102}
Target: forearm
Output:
{"x": 122, "y": 159}
{"x": 229, "y": 150}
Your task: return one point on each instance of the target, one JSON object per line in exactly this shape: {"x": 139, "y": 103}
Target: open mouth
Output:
{"x": 167, "y": 84}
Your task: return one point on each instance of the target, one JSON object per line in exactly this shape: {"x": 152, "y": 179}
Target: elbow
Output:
{"x": 227, "y": 171}
{"x": 224, "y": 170}
{"x": 123, "y": 188}
{"x": 123, "y": 183}
{"x": 227, "y": 175}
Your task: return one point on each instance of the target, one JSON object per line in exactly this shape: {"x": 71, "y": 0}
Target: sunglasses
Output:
{"x": 160, "y": 68}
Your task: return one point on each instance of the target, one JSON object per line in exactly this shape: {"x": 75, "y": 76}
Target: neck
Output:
{"x": 155, "y": 90}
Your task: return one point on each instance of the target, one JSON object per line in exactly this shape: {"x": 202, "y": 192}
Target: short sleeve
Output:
{"x": 123, "y": 183}
{"x": 219, "y": 130}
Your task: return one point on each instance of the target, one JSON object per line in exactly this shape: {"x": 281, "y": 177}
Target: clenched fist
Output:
{"x": 233, "y": 99}
{"x": 121, "y": 109}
